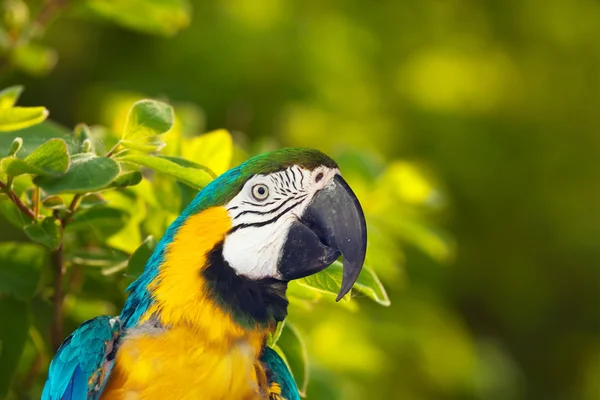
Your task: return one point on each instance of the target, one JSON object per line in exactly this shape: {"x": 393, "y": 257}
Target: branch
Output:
{"x": 59, "y": 273}
{"x": 36, "y": 201}
{"x": 56, "y": 334}
{"x": 15, "y": 199}
{"x": 72, "y": 208}
{"x": 58, "y": 299}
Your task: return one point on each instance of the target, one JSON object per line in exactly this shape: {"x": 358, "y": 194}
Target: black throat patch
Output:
{"x": 250, "y": 301}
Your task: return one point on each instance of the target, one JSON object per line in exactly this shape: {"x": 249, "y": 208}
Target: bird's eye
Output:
{"x": 319, "y": 177}
{"x": 260, "y": 192}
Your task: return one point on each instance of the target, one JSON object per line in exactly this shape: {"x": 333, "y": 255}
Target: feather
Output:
{"x": 76, "y": 370}
{"x": 280, "y": 374}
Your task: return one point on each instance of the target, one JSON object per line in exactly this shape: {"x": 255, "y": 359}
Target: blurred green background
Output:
{"x": 480, "y": 119}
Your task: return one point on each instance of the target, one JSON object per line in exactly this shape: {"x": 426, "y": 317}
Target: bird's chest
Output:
{"x": 178, "y": 364}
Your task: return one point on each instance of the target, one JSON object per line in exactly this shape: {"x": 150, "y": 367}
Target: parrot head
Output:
{"x": 294, "y": 216}
{"x": 277, "y": 217}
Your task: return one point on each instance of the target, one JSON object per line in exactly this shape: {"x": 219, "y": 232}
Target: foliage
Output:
{"x": 89, "y": 210}
{"x": 469, "y": 127}
{"x": 21, "y": 35}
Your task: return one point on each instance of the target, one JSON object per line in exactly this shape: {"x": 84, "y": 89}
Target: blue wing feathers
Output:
{"x": 281, "y": 374}
{"x": 75, "y": 370}
{"x": 77, "y": 388}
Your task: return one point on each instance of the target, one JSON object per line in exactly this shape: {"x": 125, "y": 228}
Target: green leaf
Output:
{"x": 13, "y": 336}
{"x": 20, "y": 268}
{"x": 50, "y": 159}
{"x": 161, "y": 17}
{"x": 148, "y": 118}
{"x": 15, "y": 146}
{"x": 148, "y": 147}
{"x": 82, "y": 132}
{"x": 91, "y": 200}
{"x": 330, "y": 281}
{"x": 22, "y": 184}
{"x": 274, "y": 337}
{"x": 54, "y": 203}
{"x": 189, "y": 164}
{"x": 12, "y": 213}
{"x": 12, "y": 119}
{"x": 34, "y": 59}
{"x": 87, "y": 173}
{"x": 14, "y": 166}
{"x": 369, "y": 284}
{"x": 87, "y": 146}
{"x": 84, "y": 138}
{"x": 35, "y": 136}
{"x": 9, "y": 96}
{"x": 299, "y": 292}
{"x": 327, "y": 281}
{"x": 98, "y": 257}
{"x": 140, "y": 257}
{"x": 213, "y": 149}
{"x": 194, "y": 177}
{"x": 127, "y": 179}
{"x": 296, "y": 356}
{"x": 102, "y": 221}
{"x": 130, "y": 237}
{"x": 48, "y": 232}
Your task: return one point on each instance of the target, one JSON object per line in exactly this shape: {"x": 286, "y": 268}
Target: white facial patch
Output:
{"x": 262, "y": 214}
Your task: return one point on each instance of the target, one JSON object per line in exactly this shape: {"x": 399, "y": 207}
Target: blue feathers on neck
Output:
{"x": 216, "y": 193}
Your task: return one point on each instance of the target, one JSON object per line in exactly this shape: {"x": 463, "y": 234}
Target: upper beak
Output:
{"x": 333, "y": 224}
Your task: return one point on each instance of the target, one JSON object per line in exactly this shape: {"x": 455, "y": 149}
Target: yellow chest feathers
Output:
{"x": 186, "y": 346}
{"x": 177, "y": 364}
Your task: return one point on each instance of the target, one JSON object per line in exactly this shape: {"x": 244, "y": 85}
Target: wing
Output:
{"x": 280, "y": 374}
{"x": 83, "y": 362}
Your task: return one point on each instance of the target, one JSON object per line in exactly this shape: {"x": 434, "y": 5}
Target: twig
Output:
{"x": 112, "y": 151}
{"x": 59, "y": 273}
{"x": 15, "y": 199}
{"x": 58, "y": 299}
{"x": 72, "y": 208}
{"x": 36, "y": 202}
{"x": 75, "y": 203}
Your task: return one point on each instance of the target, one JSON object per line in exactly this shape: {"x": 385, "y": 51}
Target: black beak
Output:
{"x": 333, "y": 224}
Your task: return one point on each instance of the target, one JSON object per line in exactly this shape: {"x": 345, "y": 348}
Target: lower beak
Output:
{"x": 333, "y": 224}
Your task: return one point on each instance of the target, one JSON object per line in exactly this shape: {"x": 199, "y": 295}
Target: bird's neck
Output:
{"x": 194, "y": 286}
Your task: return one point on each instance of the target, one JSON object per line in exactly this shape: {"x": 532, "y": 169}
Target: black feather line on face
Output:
{"x": 256, "y": 204}
{"x": 265, "y": 212}
{"x": 250, "y": 301}
{"x": 294, "y": 178}
{"x": 269, "y": 221}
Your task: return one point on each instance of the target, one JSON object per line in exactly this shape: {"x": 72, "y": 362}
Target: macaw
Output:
{"x": 196, "y": 321}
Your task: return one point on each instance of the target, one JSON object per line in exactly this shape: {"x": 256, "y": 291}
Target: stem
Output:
{"x": 112, "y": 151}
{"x": 58, "y": 299}
{"x": 36, "y": 202}
{"x": 59, "y": 273}
{"x": 75, "y": 203}
{"x": 72, "y": 208}
{"x": 15, "y": 199}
